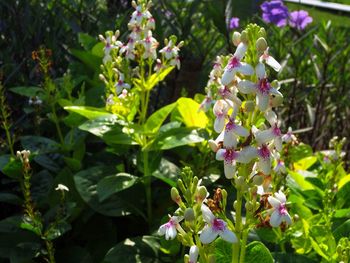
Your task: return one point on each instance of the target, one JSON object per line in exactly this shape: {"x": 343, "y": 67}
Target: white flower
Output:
{"x": 289, "y": 136}
{"x": 62, "y": 187}
{"x": 233, "y": 131}
{"x": 269, "y": 60}
{"x": 264, "y": 155}
{"x": 216, "y": 144}
{"x": 262, "y": 88}
{"x": 206, "y": 103}
{"x": 235, "y": 65}
{"x": 273, "y": 134}
{"x": 194, "y": 251}
{"x": 121, "y": 85}
{"x": 220, "y": 110}
{"x": 230, "y": 157}
{"x": 150, "y": 44}
{"x": 279, "y": 209}
{"x": 215, "y": 227}
{"x": 169, "y": 228}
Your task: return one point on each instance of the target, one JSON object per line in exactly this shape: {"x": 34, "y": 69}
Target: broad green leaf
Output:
{"x": 86, "y": 183}
{"x": 223, "y": 251}
{"x": 92, "y": 61}
{"x": 267, "y": 234}
{"x": 257, "y": 252}
{"x": 39, "y": 145}
{"x": 305, "y": 163}
{"x": 342, "y": 213}
{"x": 167, "y": 172}
{"x": 13, "y": 168}
{"x": 86, "y": 41}
{"x": 299, "y": 152}
{"x": 155, "y": 121}
{"x": 318, "y": 249}
{"x": 10, "y": 198}
{"x": 112, "y": 184}
{"x": 97, "y": 50}
{"x": 175, "y": 138}
{"x": 72, "y": 163}
{"x": 155, "y": 78}
{"x": 135, "y": 250}
{"x": 28, "y": 91}
{"x": 343, "y": 196}
{"x": 300, "y": 180}
{"x": 282, "y": 257}
{"x": 343, "y": 181}
{"x": 89, "y": 112}
{"x": 57, "y": 229}
{"x": 190, "y": 114}
{"x": 342, "y": 231}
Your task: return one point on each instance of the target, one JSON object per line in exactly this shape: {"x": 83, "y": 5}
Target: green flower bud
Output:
{"x": 235, "y": 204}
{"x": 258, "y": 180}
{"x": 249, "y": 206}
{"x": 249, "y": 106}
{"x": 224, "y": 198}
{"x": 186, "y": 258}
{"x": 240, "y": 181}
{"x": 261, "y": 44}
{"x": 175, "y": 196}
{"x": 189, "y": 214}
{"x": 254, "y": 189}
{"x": 202, "y": 193}
{"x": 244, "y": 36}
{"x": 181, "y": 185}
{"x": 236, "y": 38}
{"x": 262, "y": 32}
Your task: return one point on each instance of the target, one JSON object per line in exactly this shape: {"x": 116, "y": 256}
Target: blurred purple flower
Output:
{"x": 234, "y": 22}
{"x": 275, "y": 12}
{"x": 299, "y": 19}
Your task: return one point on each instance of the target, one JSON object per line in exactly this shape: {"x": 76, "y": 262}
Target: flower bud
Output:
{"x": 244, "y": 36}
{"x": 224, "y": 198}
{"x": 261, "y": 44}
{"x": 249, "y": 106}
{"x": 254, "y": 190}
{"x": 189, "y": 214}
{"x": 236, "y": 38}
{"x": 239, "y": 181}
{"x": 175, "y": 196}
{"x": 262, "y": 32}
{"x": 181, "y": 185}
{"x": 186, "y": 258}
{"x": 258, "y": 180}
{"x": 202, "y": 193}
{"x": 249, "y": 206}
{"x": 235, "y": 204}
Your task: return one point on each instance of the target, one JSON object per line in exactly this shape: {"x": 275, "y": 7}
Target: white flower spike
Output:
{"x": 169, "y": 229}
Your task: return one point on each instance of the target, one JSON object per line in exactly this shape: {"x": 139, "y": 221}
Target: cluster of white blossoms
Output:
{"x": 137, "y": 57}
{"x": 244, "y": 100}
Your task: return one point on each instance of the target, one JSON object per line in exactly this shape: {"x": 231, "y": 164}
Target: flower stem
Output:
{"x": 50, "y": 251}
{"x": 243, "y": 245}
{"x": 238, "y": 209}
{"x": 148, "y": 191}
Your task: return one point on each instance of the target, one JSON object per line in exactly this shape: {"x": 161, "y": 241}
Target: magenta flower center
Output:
{"x": 282, "y": 210}
{"x": 234, "y": 63}
{"x": 264, "y": 152}
{"x": 171, "y": 223}
{"x": 230, "y": 155}
{"x": 276, "y": 131}
{"x": 120, "y": 82}
{"x": 264, "y": 86}
{"x": 218, "y": 225}
{"x": 230, "y": 125}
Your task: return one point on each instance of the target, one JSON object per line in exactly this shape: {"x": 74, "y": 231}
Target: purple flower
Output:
{"x": 275, "y": 12}
{"x": 299, "y": 19}
{"x": 234, "y": 22}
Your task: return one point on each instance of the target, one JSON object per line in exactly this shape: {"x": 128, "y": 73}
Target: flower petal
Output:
{"x": 194, "y": 251}
{"x": 228, "y": 76}
{"x": 247, "y": 154}
{"x": 220, "y": 154}
{"x": 274, "y": 202}
{"x": 230, "y": 139}
{"x": 275, "y": 219}
{"x": 207, "y": 214}
{"x": 264, "y": 136}
{"x": 245, "y": 69}
{"x": 271, "y": 117}
{"x": 265, "y": 165}
{"x": 260, "y": 70}
{"x": 228, "y": 236}
{"x": 219, "y": 124}
{"x": 273, "y": 63}
{"x": 262, "y": 100}
{"x": 230, "y": 170}
{"x": 240, "y": 51}
{"x": 162, "y": 229}
{"x": 287, "y": 219}
{"x": 208, "y": 235}
{"x": 278, "y": 143}
{"x": 240, "y": 131}
{"x": 170, "y": 233}
{"x": 246, "y": 87}
{"x": 281, "y": 196}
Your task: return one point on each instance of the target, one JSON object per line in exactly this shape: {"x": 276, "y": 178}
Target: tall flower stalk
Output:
{"x": 249, "y": 139}
{"x": 130, "y": 71}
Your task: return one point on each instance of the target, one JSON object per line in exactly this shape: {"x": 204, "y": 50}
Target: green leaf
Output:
{"x": 343, "y": 196}
{"x": 223, "y": 251}
{"x": 305, "y": 163}
{"x": 72, "y": 163}
{"x": 155, "y": 121}
{"x": 13, "y": 168}
{"x": 267, "y": 234}
{"x": 318, "y": 249}
{"x": 190, "y": 114}
{"x": 113, "y": 184}
{"x": 340, "y": 213}
{"x": 343, "y": 181}
{"x": 92, "y": 61}
{"x": 86, "y": 183}
{"x": 135, "y": 250}
{"x": 155, "y": 78}
{"x": 56, "y": 230}
{"x": 86, "y": 41}
{"x": 175, "y": 138}
{"x": 28, "y": 91}
{"x": 39, "y": 145}
{"x": 300, "y": 180}
{"x": 167, "y": 172}
{"x": 342, "y": 231}
{"x": 299, "y": 152}
{"x": 97, "y": 50}
{"x": 257, "y": 252}
{"x": 281, "y": 257}
{"x": 90, "y": 112}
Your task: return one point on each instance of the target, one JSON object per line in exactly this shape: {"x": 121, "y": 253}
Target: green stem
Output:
{"x": 9, "y": 138}
{"x": 50, "y": 251}
{"x": 236, "y": 246}
{"x": 147, "y": 178}
{"x": 243, "y": 245}
{"x": 58, "y": 128}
